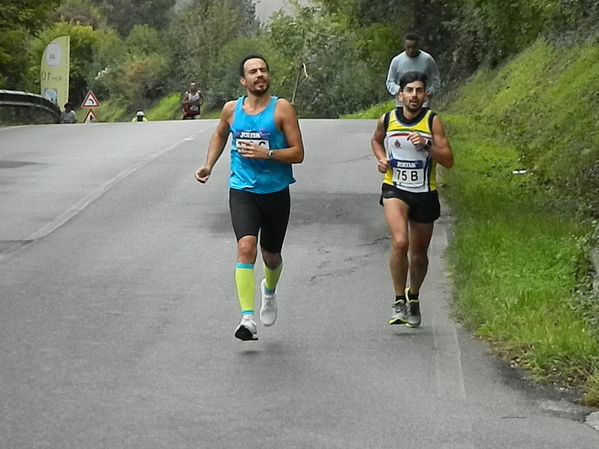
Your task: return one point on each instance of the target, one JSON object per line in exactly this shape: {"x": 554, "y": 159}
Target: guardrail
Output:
{"x": 22, "y": 100}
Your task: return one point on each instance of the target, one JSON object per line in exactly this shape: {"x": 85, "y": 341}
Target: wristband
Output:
{"x": 427, "y": 146}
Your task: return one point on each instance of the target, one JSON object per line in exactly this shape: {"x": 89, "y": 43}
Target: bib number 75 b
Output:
{"x": 408, "y": 174}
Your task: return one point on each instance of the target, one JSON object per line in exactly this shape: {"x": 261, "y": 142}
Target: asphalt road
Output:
{"x": 117, "y": 310}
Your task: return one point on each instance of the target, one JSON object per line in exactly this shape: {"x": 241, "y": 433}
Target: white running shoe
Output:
{"x": 246, "y": 330}
{"x": 268, "y": 311}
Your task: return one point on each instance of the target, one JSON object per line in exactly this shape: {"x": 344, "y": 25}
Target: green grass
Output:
{"x": 520, "y": 251}
{"x": 546, "y": 104}
{"x": 168, "y": 108}
{"x": 109, "y": 111}
{"x": 514, "y": 256}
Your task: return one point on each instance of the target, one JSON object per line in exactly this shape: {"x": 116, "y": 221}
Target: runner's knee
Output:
{"x": 419, "y": 258}
{"x": 246, "y": 250}
{"x": 400, "y": 244}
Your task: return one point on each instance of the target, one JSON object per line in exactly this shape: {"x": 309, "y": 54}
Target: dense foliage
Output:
{"x": 123, "y": 15}
{"x": 330, "y": 57}
{"x": 18, "y": 22}
{"x": 199, "y": 38}
{"x": 553, "y": 133}
{"x": 524, "y": 189}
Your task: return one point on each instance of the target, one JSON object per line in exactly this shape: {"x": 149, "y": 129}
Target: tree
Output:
{"x": 140, "y": 75}
{"x": 18, "y": 22}
{"x": 91, "y": 51}
{"x": 201, "y": 30}
{"x": 223, "y": 84}
{"x": 143, "y": 40}
{"x": 325, "y": 72}
{"x": 123, "y": 15}
{"x": 80, "y": 12}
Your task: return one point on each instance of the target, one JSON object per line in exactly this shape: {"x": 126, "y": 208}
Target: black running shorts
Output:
{"x": 424, "y": 207}
{"x": 265, "y": 213}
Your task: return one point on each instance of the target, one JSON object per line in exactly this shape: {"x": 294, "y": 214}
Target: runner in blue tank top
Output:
{"x": 265, "y": 141}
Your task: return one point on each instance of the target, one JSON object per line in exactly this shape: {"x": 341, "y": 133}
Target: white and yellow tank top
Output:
{"x": 410, "y": 168}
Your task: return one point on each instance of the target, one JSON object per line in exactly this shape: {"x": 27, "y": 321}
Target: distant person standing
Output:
{"x": 68, "y": 115}
{"x": 193, "y": 99}
{"x": 413, "y": 60}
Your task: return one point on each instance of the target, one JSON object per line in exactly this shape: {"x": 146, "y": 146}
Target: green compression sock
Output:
{"x": 272, "y": 277}
{"x": 244, "y": 280}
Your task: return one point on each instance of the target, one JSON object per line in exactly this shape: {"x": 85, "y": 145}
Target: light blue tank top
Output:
{"x": 253, "y": 175}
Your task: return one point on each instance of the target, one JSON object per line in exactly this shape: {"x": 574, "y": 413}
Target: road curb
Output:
{"x": 593, "y": 420}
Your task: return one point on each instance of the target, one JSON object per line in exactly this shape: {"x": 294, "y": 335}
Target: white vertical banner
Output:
{"x": 54, "y": 71}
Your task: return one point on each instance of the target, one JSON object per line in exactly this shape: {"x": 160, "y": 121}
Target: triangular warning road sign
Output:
{"x": 90, "y": 101}
{"x": 90, "y": 117}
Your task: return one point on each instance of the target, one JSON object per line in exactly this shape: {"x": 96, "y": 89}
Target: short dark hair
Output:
{"x": 246, "y": 59}
{"x": 410, "y": 77}
{"x": 411, "y": 37}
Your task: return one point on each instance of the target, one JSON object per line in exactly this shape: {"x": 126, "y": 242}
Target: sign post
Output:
{"x": 90, "y": 116}
{"x": 90, "y": 102}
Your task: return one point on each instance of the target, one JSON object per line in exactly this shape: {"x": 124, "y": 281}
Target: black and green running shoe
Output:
{"x": 400, "y": 312}
{"x": 413, "y": 318}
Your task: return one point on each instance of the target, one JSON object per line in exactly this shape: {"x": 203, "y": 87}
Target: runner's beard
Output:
{"x": 260, "y": 92}
{"x": 412, "y": 109}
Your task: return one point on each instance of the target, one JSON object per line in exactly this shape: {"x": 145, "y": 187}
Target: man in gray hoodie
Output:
{"x": 413, "y": 60}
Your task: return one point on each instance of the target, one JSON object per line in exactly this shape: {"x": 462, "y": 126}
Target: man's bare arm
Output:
{"x": 377, "y": 143}
{"x": 217, "y": 142}
{"x": 441, "y": 149}
{"x": 287, "y": 121}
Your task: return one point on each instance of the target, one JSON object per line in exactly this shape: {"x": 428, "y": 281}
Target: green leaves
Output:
{"x": 19, "y": 21}
{"x": 91, "y": 51}
{"x": 200, "y": 32}
{"x": 123, "y": 15}
{"x": 28, "y": 15}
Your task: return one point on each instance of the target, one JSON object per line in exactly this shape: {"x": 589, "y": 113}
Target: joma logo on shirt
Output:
{"x": 402, "y": 164}
{"x": 249, "y": 135}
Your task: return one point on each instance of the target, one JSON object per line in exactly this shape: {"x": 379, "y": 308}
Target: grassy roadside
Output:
{"x": 522, "y": 241}
{"x": 168, "y": 108}
{"x": 515, "y": 258}
{"x": 523, "y": 194}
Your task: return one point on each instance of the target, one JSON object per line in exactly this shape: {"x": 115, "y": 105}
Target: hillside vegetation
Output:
{"x": 523, "y": 196}
{"x": 329, "y": 57}
{"x": 545, "y": 103}
{"x": 523, "y": 193}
